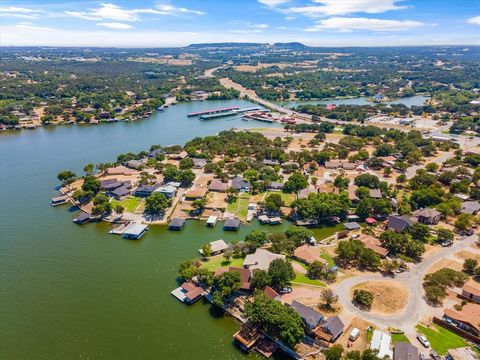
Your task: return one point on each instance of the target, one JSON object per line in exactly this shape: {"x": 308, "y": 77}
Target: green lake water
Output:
{"x": 77, "y": 292}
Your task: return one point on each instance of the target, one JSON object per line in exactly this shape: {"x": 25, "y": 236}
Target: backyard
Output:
{"x": 441, "y": 339}
{"x": 239, "y": 207}
{"x": 130, "y": 203}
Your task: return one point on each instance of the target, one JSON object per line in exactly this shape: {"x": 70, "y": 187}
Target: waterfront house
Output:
{"x": 260, "y": 260}
{"x": 405, "y": 351}
{"x": 59, "y": 200}
{"x": 181, "y": 155}
{"x": 231, "y": 224}
{"x": 212, "y": 220}
{"x": 247, "y": 336}
{"x": 135, "y": 164}
{"x": 176, "y": 224}
{"x": 240, "y": 185}
{"x": 217, "y": 247}
{"x": 218, "y": 186}
{"x": 153, "y": 153}
{"x": 245, "y": 277}
{"x": 352, "y": 226}
{"x": 310, "y": 317}
{"x": 110, "y": 186}
{"x": 121, "y": 192}
{"x": 470, "y": 207}
{"x": 427, "y": 216}
{"x": 199, "y": 163}
{"x": 399, "y": 223}
{"x": 145, "y": 190}
{"x": 104, "y": 183}
{"x": 135, "y": 231}
{"x": 167, "y": 190}
{"x": 188, "y": 292}
{"x": 471, "y": 290}
{"x": 330, "y": 329}
{"x": 308, "y": 254}
{"x": 120, "y": 170}
{"x": 467, "y": 318}
{"x": 82, "y": 218}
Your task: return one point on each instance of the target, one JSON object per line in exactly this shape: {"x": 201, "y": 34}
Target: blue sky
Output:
{"x": 159, "y": 23}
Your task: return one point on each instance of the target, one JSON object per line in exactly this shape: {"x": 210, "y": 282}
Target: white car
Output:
{"x": 423, "y": 340}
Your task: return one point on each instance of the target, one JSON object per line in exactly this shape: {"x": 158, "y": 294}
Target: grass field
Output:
{"x": 441, "y": 339}
{"x": 304, "y": 280}
{"x": 287, "y": 198}
{"x": 240, "y": 206}
{"x": 326, "y": 256}
{"x": 218, "y": 261}
{"x": 399, "y": 337}
{"x": 130, "y": 203}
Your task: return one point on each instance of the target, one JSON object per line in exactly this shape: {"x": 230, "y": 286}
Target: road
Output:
{"x": 412, "y": 280}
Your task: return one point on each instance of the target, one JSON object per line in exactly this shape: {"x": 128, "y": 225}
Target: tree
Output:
{"x": 334, "y": 352}
{"x": 435, "y": 284}
{"x": 470, "y": 265}
{"x": 224, "y": 286}
{"x": 341, "y": 182}
{"x": 281, "y": 273}
{"x": 328, "y": 299}
{"x": 299, "y": 234}
{"x": 444, "y": 235}
{"x": 156, "y": 203}
{"x": 186, "y": 177}
{"x": 260, "y": 279}
{"x": 389, "y": 266}
{"x": 66, "y": 177}
{"x": 273, "y": 202}
{"x": 91, "y": 184}
{"x": 363, "y": 297}
{"x": 432, "y": 167}
{"x": 199, "y": 204}
{"x": 256, "y": 238}
{"x": 281, "y": 244}
{"x": 186, "y": 163}
{"x": 89, "y": 169}
{"x": 295, "y": 183}
{"x": 368, "y": 180}
{"x": 464, "y": 221}
{"x": 206, "y": 250}
{"x": 419, "y": 232}
{"x": 119, "y": 209}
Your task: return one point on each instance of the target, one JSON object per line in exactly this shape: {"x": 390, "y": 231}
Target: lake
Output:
{"x": 416, "y": 100}
{"x": 69, "y": 291}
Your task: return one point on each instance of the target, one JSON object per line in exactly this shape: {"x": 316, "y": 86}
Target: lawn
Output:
{"x": 240, "y": 206}
{"x": 215, "y": 262}
{"x": 130, "y": 203}
{"x": 328, "y": 258}
{"x": 287, "y": 198}
{"x": 302, "y": 279}
{"x": 441, "y": 339}
{"x": 399, "y": 338}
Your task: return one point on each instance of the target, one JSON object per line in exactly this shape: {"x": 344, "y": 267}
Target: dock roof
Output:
{"x": 135, "y": 229}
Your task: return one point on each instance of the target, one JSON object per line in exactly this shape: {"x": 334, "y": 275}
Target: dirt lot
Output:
{"x": 216, "y": 200}
{"x": 446, "y": 263}
{"x": 361, "y": 343}
{"x": 465, "y": 254}
{"x": 390, "y": 297}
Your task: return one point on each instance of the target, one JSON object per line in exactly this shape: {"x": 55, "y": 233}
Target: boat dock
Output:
{"x": 258, "y": 118}
{"x": 217, "y": 115}
{"x": 256, "y": 108}
{"x": 214, "y": 111}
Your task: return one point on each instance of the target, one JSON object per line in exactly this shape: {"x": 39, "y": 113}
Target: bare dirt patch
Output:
{"x": 361, "y": 343}
{"x": 445, "y": 263}
{"x": 389, "y": 297}
{"x": 465, "y": 254}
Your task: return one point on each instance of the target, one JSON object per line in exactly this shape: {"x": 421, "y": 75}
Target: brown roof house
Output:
{"x": 308, "y": 254}
{"x": 427, "y": 216}
{"x": 471, "y": 290}
{"x": 467, "y": 319}
{"x": 260, "y": 260}
{"x": 374, "y": 244}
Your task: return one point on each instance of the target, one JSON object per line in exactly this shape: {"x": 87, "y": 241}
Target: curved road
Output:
{"x": 413, "y": 280}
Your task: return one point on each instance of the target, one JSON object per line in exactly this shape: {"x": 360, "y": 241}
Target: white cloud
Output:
{"x": 349, "y": 24}
{"x": 474, "y": 20}
{"x": 272, "y": 3}
{"x": 18, "y": 12}
{"x": 108, "y": 11}
{"x": 115, "y": 26}
{"x": 344, "y": 7}
{"x": 30, "y": 26}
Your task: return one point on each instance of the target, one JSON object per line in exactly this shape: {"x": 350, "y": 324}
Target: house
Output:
{"x": 270, "y": 162}
{"x": 110, "y": 186}
{"x": 304, "y": 193}
{"x": 374, "y": 244}
{"x": 333, "y": 164}
{"x": 470, "y": 207}
{"x": 352, "y": 193}
{"x": 330, "y": 329}
{"x": 405, "y": 351}
{"x": 381, "y": 341}
{"x": 275, "y": 186}
{"x": 260, "y": 260}
{"x": 135, "y": 231}
{"x": 181, "y": 155}
{"x": 176, "y": 224}
{"x": 310, "y": 317}
{"x": 218, "y": 246}
{"x": 471, "y": 290}
{"x": 375, "y": 193}
{"x": 121, "y": 192}
{"x": 212, "y": 220}
{"x": 247, "y": 336}
{"x": 467, "y": 319}
{"x": 272, "y": 294}
{"x": 120, "y": 170}
{"x": 370, "y": 221}
{"x": 135, "y": 164}
{"x": 82, "y": 218}
{"x": 199, "y": 163}
{"x": 427, "y": 216}
{"x": 153, "y": 153}
{"x": 240, "y": 185}
{"x": 196, "y": 193}
{"x": 145, "y": 190}
{"x": 218, "y": 186}
{"x": 231, "y": 224}
{"x": 167, "y": 190}
{"x": 349, "y": 166}
{"x": 308, "y": 254}
{"x": 352, "y": 226}
{"x": 104, "y": 183}
{"x": 399, "y": 223}
{"x": 464, "y": 353}
{"x": 188, "y": 292}
{"x": 245, "y": 277}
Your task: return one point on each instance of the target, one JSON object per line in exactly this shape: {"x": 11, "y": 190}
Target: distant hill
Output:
{"x": 225, "y": 45}
{"x": 291, "y": 45}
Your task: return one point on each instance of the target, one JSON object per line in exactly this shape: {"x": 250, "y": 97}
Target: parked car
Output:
{"x": 423, "y": 356}
{"x": 354, "y": 334}
{"x": 285, "y": 290}
{"x": 434, "y": 355}
{"x": 423, "y": 340}
{"x": 468, "y": 232}
{"x": 447, "y": 243}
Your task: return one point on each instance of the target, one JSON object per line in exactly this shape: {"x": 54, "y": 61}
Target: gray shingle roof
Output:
{"x": 311, "y": 317}
{"x": 333, "y": 325}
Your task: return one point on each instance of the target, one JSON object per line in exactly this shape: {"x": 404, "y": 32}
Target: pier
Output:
{"x": 217, "y": 115}
{"x": 214, "y": 111}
